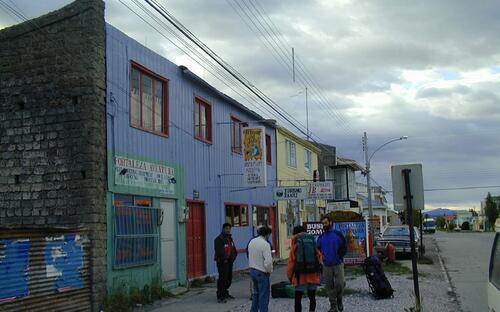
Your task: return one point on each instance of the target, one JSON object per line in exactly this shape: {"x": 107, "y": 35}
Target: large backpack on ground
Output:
{"x": 378, "y": 282}
{"x": 306, "y": 260}
{"x": 282, "y": 290}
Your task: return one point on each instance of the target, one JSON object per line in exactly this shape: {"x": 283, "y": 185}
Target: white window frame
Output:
{"x": 291, "y": 154}
{"x": 308, "y": 160}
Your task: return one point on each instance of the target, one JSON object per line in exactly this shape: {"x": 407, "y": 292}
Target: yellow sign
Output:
{"x": 254, "y": 160}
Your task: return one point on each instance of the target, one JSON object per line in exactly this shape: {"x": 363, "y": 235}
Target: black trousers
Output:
{"x": 312, "y": 300}
{"x": 225, "y": 279}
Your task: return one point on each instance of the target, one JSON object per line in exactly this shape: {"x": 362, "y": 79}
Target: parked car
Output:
{"x": 399, "y": 237}
{"x": 494, "y": 276}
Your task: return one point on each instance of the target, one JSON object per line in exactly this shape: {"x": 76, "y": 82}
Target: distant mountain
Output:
{"x": 439, "y": 212}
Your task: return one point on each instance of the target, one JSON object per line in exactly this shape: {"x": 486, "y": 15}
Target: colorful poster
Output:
{"x": 14, "y": 269}
{"x": 254, "y": 157}
{"x": 355, "y": 235}
{"x": 138, "y": 173}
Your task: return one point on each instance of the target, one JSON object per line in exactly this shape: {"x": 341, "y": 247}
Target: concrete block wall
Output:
{"x": 53, "y": 126}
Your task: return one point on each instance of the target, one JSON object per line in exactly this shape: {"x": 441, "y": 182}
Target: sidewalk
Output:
{"x": 204, "y": 299}
{"x": 433, "y": 288}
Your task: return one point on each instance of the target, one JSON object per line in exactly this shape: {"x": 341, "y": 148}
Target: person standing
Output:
{"x": 261, "y": 265}
{"x": 225, "y": 254}
{"x": 333, "y": 248}
{"x": 304, "y": 266}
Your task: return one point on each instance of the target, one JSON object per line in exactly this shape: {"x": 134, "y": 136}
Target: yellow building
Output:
{"x": 297, "y": 160}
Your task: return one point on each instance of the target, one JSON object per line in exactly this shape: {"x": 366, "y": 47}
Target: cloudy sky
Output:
{"x": 426, "y": 69}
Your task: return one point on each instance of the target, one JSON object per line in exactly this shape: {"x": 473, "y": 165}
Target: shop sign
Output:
{"x": 320, "y": 190}
{"x": 313, "y": 228}
{"x": 338, "y": 206}
{"x": 254, "y": 157}
{"x": 138, "y": 173}
{"x": 290, "y": 192}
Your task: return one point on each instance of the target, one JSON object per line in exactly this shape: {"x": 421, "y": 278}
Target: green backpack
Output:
{"x": 307, "y": 258}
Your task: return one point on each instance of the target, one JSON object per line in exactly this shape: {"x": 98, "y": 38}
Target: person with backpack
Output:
{"x": 225, "y": 254}
{"x": 333, "y": 247}
{"x": 304, "y": 267}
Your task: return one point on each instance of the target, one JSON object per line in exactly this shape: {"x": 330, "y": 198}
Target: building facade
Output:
{"x": 175, "y": 160}
{"x": 53, "y": 161}
{"x": 296, "y": 164}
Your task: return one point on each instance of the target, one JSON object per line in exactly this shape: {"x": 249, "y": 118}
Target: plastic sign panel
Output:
{"x": 416, "y": 186}
{"x": 254, "y": 156}
{"x": 338, "y": 206}
{"x": 139, "y": 173}
{"x": 320, "y": 190}
{"x": 290, "y": 192}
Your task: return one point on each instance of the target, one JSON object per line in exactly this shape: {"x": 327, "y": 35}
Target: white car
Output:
{"x": 494, "y": 276}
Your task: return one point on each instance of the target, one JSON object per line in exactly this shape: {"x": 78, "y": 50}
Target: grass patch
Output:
{"x": 122, "y": 301}
{"x": 396, "y": 268}
{"x": 425, "y": 260}
{"x": 354, "y": 270}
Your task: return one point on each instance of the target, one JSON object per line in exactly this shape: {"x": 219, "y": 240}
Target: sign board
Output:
{"x": 290, "y": 192}
{"x": 416, "y": 186}
{"x": 356, "y": 236}
{"x": 138, "y": 173}
{"x": 313, "y": 228}
{"x": 320, "y": 190}
{"x": 354, "y": 233}
{"x": 254, "y": 156}
{"x": 375, "y": 221}
{"x": 338, "y": 206}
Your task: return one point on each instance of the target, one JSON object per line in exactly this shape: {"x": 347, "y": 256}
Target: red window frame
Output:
{"x": 198, "y": 102}
{"x": 269, "y": 154}
{"x": 239, "y": 214}
{"x": 143, "y": 71}
{"x": 236, "y": 126}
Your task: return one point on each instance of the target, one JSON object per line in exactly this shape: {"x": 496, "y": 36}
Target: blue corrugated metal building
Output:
{"x": 174, "y": 169}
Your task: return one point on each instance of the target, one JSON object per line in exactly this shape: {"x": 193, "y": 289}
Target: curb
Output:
{"x": 451, "y": 289}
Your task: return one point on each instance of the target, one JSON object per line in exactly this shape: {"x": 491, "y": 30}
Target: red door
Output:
{"x": 196, "y": 259}
{"x": 267, "y": 216}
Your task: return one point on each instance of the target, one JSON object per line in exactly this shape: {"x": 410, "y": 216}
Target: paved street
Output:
{"x": 466, "y": 257}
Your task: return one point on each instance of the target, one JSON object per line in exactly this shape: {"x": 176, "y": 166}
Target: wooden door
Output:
{"x": 267, "y": 216}
{"x": 196, "y": 252}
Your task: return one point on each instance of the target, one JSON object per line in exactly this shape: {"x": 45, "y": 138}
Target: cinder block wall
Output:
{"x": 52, "y": 126}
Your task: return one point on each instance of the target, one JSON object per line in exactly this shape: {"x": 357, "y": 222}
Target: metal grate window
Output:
{"x": 136, "y": 232}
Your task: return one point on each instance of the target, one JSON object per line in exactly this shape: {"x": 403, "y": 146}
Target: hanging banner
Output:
{"x": 254, "y": 157}
{"x": 139, "y": 173}
{"x": 320, "y": 190}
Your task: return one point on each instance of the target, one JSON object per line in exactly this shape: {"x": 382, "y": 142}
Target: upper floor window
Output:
{"x": 308, "y": 160}
{"x": 202, "y": 120}
{"x": 291, "y": 154}
{"x": 236, "y": 127}
{"x": 148, "y": 100}
{"x": 269, "y": 153}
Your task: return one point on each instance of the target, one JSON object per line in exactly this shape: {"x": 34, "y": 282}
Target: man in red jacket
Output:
{"x": 225, "y": 254}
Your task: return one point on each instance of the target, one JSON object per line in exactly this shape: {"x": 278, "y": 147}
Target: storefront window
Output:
{"x": 136, "y": 232}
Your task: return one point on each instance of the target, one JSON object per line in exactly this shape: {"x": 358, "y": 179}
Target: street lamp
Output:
{"x": 368, "y": 184}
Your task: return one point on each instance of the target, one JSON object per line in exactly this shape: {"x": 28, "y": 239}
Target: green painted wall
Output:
{"x": 142, "y": 275}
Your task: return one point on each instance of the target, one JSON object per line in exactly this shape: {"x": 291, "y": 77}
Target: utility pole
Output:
{"x": 307, "y": 117}
{"x": 369, "y": 189}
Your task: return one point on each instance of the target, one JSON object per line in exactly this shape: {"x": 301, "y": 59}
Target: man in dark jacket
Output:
{"x": 333, "y": 247}
{"x": 225, "y": 254}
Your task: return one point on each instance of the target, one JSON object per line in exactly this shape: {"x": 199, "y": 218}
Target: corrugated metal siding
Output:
{"x": 44, "y": 270}
{"x": 203, "y": 163}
